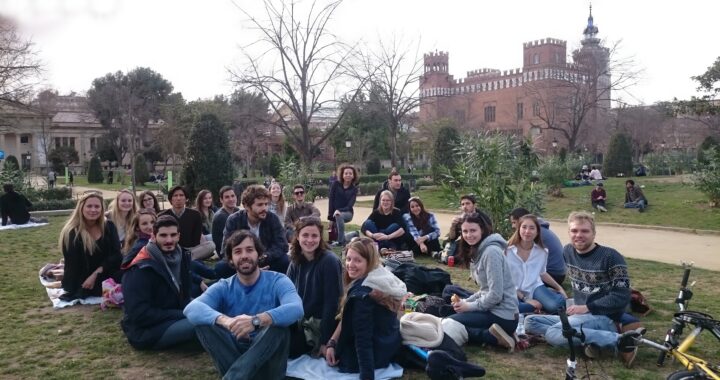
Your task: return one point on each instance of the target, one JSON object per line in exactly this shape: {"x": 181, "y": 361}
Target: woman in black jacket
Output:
{"x": 368, "y": 336}
{"x": 90, "y": 247}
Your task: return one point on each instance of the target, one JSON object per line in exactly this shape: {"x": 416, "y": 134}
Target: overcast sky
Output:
{"x": 193, "y": 42}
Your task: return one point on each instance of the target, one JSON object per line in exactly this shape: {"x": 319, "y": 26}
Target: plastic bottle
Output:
{"x": 521, "y": 325}
{"x": 451, "y": 261}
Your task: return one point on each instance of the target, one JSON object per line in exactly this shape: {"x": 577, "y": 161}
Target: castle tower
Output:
{"x": 593, "y": 58}
{"x": 545, "y": 52}
{"x": 436, "y": 72}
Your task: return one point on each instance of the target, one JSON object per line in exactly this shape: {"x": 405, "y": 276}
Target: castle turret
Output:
{"x": 436, "y": 73}
{"x": 545, "y": 52}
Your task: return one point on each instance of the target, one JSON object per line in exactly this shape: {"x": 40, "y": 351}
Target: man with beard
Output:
{"x": 601, "y": 292}
{"x": 264, "y": 225}
{"x": 228, "y": 198}
{"x": 156, "y": 288}
{"x": 242, "y": 321}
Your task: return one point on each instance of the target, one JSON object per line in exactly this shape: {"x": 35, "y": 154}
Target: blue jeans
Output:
{"x": 179, "y": 332}
{"x": 548, "y": 298}
{"x": 599, "y": 330}
{"x": 369, "y": 225}
{"x": 637, "y": 204}
{"x": 477, "y": 324}
{"x": 340, "y": 220}
{"x": 265, "y": 357}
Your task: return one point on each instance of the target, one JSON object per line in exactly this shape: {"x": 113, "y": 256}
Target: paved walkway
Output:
{"x": 669, "y": 247}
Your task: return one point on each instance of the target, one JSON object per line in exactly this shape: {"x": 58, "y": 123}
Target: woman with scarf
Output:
{"x": 368, "y": 336}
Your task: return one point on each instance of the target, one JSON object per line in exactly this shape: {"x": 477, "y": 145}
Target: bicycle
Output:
{"x": 673, "y": 347}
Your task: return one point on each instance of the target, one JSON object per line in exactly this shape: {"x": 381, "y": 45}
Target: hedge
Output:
{"x": 54, "y": 204}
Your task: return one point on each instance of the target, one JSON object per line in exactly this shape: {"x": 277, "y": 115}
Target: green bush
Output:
{"x": 11, "y": 163}
{"x": 498, "y": 170}
{"x": 708, "y": 143}
{"x": 95, "y": 174}
{"x": 57, "y": 193}
{"x": 707, "y": 179}
{"x": 373, "y": 166}
{"x": 619, "y": 156}
{"x": 553, "y": 174}
{"x": 54, "y": 204}
{"x": 444, "y": 149}
{"x": 208, "y": 162}
{"x": 141, "y": 170}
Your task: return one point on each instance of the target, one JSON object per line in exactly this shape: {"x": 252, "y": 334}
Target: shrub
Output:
{"x": 61, "y": 157}
{"x": 208, "y": 162}
{"x": 619, "y": 156}
{"x": 444, "y": 149}
{"x": 707, "y": 179}
{"x": 708, "y": 143}
{"x": 498, "y": 170}
{"x": 553, "y": 174}
{"x": 373, "y": 166}
{"x": 54, "y": 204}
{"x": 11, "y": 163}
{"x": 95, "y": 171}
{"x": 57, "y": 193}
{"x": 141, "y": 170}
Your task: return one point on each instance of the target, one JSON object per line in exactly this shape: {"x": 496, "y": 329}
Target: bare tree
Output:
{"x": 571, "y": 100}
{"x": 705, "y": 108}
{"x": 643, "y": 124}
{"x": 394, "y": 73}
{"x": 295, "y": 65}
{"x": 19, "y": 67}
{"x": 46, "y": 104}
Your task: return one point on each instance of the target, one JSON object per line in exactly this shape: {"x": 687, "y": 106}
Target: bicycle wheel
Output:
{"x": 686, "y": 375}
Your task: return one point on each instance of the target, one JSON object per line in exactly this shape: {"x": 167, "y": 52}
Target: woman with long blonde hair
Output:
{"x": 204, "y": 205}
{"x": 277, "y": 201}
{"x": 140, "y": 232}
{"x": 90, "y": 247}
{"x": 368, "y": 336}
{"x": 122, "y": 211}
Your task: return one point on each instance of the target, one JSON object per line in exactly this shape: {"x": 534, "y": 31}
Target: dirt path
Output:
{"x": 669, "y": 247}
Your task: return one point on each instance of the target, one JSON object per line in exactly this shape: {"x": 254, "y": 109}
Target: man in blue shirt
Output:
{"x": 242, "y": 321}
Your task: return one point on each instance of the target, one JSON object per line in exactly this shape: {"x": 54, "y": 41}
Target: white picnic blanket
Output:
{"x": 19, "y": 226}
{"x": 55, "y": 293}
{"x": 308, "y": 368}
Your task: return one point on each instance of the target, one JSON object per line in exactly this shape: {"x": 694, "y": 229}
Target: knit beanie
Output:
{"x": 455, "y": 330}
{"x": 420, "y": 329}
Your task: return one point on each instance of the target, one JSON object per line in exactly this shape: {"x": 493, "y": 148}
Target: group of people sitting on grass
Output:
{"x": 634, "y": 197}
{"x": 264, "y": 300}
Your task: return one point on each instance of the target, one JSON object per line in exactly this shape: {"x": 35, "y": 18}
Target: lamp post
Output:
{"x": 554, "y": 145}
{"x": 348, "y": 145}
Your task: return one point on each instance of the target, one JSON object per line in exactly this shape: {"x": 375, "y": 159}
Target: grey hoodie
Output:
{"x": 490, "y": 270}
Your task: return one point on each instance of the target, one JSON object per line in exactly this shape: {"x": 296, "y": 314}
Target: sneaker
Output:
{"x": 628, "y": 345}
{"x": 602, "y": 209}
{"x": 335, "y": 244}
{"x": 641, "y": 209}
{"x": 503, "y": 339}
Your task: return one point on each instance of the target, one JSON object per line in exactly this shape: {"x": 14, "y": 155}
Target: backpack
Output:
{"x": 422, "y": 280}
{"x": 638, "y": 303}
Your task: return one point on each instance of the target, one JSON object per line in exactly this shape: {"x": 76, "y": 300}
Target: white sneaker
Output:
{"x": 601, "y": 208}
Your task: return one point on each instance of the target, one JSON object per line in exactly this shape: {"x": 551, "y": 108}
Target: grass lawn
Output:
{"x": 85, "y": 342}
{"x": 673, "y": 203}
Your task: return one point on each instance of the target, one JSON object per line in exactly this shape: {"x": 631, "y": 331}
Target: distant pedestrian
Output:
{"x": 71, "y": 179}
{"x": 51, "y": 177}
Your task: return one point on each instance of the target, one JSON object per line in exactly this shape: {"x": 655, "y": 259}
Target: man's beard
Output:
{"x": 251, "y": 270}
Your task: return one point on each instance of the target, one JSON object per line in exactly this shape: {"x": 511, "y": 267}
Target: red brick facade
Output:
{"x": 508, "y": 101}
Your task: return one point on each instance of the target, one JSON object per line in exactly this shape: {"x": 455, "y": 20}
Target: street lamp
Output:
{"x": 348, "y": 145}
{"x": 554, "y": 143}
{"x": 662, "y": 145}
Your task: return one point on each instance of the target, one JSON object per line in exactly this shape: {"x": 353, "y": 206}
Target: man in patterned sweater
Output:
{"x": 601, "y": 291}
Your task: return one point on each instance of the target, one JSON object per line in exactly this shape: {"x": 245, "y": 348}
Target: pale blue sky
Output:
{"x": 191, "y": 43}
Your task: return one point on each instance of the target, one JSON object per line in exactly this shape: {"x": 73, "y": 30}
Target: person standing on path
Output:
{"x": 341, "y": 199}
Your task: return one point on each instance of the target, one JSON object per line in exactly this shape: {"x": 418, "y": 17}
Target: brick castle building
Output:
{"x": 538, "y": 101}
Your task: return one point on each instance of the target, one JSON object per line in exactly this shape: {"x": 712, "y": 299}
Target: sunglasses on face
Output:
{"x": 299, "y": 193}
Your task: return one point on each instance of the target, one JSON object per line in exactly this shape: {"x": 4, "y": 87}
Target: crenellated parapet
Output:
{"x": 545, "y": 41}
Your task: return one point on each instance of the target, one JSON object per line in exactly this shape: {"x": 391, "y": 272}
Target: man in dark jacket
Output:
{"x": 156, "y": 287}
{"x": 14, "y": 206}
{"x": 402, "y": 194}
{"x": 228, "y": 199}
{"x": 263, "y": 224}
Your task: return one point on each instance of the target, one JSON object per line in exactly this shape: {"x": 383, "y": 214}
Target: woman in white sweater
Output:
{"x": 527, "y": 259}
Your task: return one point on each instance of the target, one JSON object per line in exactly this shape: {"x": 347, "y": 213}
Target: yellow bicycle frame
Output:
{"x": 689, "y": 361}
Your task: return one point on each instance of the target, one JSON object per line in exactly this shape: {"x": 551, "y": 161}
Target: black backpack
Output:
{"x": 422, "y": 280}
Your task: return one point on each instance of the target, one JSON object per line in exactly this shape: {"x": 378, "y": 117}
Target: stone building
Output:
{"x": 523, "y": 101}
